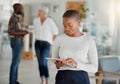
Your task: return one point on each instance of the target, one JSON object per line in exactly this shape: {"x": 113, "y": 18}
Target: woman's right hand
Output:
{"x": 60, "y": 63}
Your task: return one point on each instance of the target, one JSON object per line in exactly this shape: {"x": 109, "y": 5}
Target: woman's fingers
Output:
{"x": 68, "y": 61}
{"x": 59, "y": 63}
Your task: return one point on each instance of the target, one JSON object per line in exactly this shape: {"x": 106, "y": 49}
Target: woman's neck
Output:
{"x": 77, "y": 34}
{"x": 43, "y": 19}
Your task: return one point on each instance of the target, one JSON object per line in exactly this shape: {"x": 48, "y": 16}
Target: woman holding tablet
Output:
{"x": 77, "y": 52}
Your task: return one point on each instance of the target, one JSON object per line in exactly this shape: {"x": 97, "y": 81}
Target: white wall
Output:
{"x": 57, "y": 16}
{"x": 116, "y": 36}
{"x": 93, "y": 5}
{"x": 98, "y": 24}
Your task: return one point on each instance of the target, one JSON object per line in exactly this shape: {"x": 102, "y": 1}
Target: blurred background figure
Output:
{"x": 45, "y": 32}
{"x": 16, "y": 35}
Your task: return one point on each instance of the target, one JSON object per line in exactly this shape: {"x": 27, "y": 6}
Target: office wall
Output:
{"x": 56, "y": 7}
{"x": 99, "y": 21}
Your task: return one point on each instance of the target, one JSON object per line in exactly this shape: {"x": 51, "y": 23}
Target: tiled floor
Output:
{"x": 28, "y": 70}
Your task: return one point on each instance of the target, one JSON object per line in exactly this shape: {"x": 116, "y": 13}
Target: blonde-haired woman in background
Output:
{"x": 45, "y": 32}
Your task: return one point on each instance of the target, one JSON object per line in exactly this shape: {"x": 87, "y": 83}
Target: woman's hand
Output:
{"x": 71, "y": 62}
{"x": 68, "y": 61}
{"x": 60, "y": 63}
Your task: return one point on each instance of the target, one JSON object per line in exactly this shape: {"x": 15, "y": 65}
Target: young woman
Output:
{"x": 77, "y": 52}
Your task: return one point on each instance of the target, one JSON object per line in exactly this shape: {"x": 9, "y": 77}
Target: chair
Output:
{"x": 109, "y": 70}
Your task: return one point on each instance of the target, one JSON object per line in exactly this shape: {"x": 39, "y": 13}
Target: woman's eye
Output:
{"x": 70, "y": 25}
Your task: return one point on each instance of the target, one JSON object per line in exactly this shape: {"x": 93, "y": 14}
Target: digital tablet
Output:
{"x": 54, "y": 59}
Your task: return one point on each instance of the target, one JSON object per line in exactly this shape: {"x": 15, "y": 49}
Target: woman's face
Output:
{"x": 71, "y": 25}
{"x": 41, "y": 13}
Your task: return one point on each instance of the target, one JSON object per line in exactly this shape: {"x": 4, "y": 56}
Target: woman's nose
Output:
{"x": 67, "y": 28}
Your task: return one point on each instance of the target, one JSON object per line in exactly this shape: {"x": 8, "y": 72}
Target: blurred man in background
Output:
{"x": 16, "y": 35}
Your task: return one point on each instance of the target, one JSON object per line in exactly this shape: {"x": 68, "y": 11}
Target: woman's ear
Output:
{"x": 79, "y": 21}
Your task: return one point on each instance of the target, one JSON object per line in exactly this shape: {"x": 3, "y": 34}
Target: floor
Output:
{"x": 28, "y": 69}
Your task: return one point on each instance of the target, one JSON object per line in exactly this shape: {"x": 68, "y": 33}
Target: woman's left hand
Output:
{"x": 72, "y": 62}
